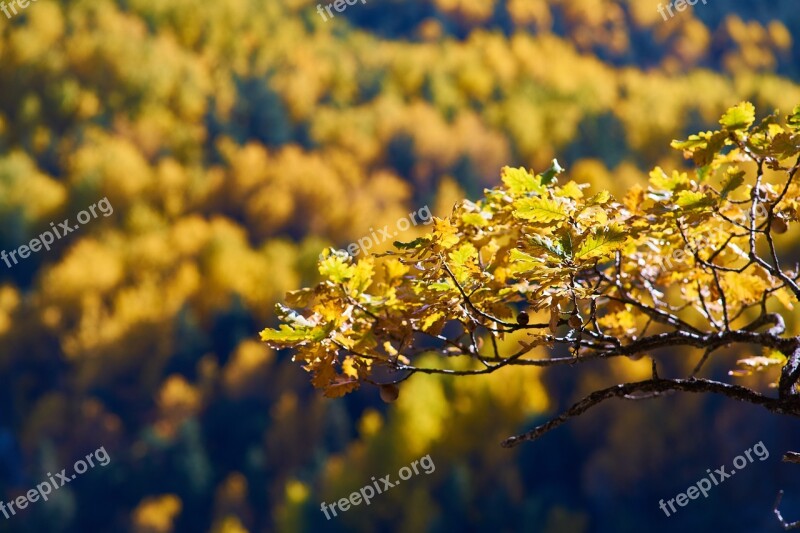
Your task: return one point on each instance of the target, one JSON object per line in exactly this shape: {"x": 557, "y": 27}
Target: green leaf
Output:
{"x": 793, "y": 120}
{"x": 539, "y": 210}
{"x": 739, "y": 118}
{"x": 550, "y": 174}
{"x": 287, "y": 336}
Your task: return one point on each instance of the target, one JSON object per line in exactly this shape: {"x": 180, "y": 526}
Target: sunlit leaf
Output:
{"x": 540, "y": 210}
{"x": 739, "y": 117}
{"x": 519, "y": 181}
{"x": 601, "y": 243}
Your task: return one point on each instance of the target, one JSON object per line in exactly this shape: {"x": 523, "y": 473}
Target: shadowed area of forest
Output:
{"x": 235, "y": 140}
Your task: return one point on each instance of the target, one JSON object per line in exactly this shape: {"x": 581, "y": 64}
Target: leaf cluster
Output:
{"x": 688, "y": 260}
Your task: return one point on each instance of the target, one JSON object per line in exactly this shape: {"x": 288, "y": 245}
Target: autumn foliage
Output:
{"x": 236, "y": 140}
{"x": 690, "y": 260}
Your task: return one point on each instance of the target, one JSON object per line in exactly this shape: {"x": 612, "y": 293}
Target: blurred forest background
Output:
{"x": 237, "y": 138}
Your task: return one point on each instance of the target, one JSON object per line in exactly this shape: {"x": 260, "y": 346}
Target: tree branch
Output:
{"x": 790, "y": 406}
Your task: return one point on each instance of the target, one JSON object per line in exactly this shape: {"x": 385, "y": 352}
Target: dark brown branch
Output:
{"x": 712, "y": 340}
{"x": 790, "y": 406}
{"x": 790, "y": 373}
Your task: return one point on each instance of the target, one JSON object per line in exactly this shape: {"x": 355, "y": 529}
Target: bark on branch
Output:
{"x": 786, "y": 406}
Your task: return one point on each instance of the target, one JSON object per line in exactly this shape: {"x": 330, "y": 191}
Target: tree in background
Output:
{"x": 235, "y": 140}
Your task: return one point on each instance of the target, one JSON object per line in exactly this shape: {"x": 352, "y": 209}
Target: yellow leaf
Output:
{"x": 554, "y": 316}
{"x": 742, "y": 288}
{"x": 601, "y": 243}
{"x": 336, "y": 268}
{"x": 394, "y": 268}
{"x": 521, "y": 262}
{"x": 600, "y": 198}
{"x": 474, "y": 219}
{"x": 285, "y": 335}
{"x": 593, "y": 216}
{"x": 463, "y": 254}
{"x": 539, "y": 210}
{"x": 430, "y": 320}
{"x": 571, "y": 190}
{"x": 634, "y": 198}
{"x": 349, "y": 367}
{"x": 519, "y": 181}
{"x": 739, "y": 117}
{"x": 660, "y": 181}
{"x": 324, "y": 373}
{"x": 463, "y": 262}
{"x": 693, "y": 200}
{"x": 362, "y": 275}
{"x": 758, "y": 361}
{"x": 445, "y": 234}
{"x": 389, "y": 348}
